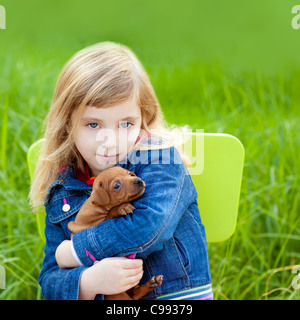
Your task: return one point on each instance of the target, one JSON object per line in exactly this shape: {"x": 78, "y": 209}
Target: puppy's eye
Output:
{"x": 117, "y": 185}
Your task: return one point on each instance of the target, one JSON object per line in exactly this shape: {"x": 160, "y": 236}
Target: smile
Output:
{"x": 106, "y": 158}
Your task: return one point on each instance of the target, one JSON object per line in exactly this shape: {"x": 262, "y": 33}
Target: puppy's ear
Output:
{"x": 101, "y": 198}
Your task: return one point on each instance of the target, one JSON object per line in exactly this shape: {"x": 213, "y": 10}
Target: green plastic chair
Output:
{"x": 216, "y": 173}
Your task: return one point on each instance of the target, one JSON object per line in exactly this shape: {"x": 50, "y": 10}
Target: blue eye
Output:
{"x": 117, "y": 186}
{"x": 127, "y": 125}
{"x": 93, "y": 125}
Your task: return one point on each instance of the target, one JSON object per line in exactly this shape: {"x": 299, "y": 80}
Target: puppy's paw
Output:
{"x": 126, "y": 208}
{"x": 154, "y": 282}
{"x": 121, "y": 210}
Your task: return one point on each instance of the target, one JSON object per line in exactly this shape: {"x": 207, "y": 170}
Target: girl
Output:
{"x": 105, "y": 113}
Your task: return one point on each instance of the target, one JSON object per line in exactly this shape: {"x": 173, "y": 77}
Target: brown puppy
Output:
{"x": 113, "y": 189}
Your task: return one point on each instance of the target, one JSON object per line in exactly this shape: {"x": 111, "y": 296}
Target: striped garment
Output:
{"x": 197, "y": 293}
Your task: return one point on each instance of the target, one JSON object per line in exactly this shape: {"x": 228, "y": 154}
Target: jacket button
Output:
{"x": 66, "y": 207}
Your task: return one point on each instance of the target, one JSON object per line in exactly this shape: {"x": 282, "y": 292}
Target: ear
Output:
{"x": 101, "y": 197}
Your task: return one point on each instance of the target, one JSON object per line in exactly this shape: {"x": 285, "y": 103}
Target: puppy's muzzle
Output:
{"x": 139, "y": 185}
{"x": 139, "y": 182}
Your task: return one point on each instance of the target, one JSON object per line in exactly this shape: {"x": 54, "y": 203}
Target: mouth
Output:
{"x": 140, "y": 192}
{"x": 106, "y": 158}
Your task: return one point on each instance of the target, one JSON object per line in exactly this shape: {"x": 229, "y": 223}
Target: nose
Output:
{"x": 107, "y": 138}
{"x": 138, "y": 182}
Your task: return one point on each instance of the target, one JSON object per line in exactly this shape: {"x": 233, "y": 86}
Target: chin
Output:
{"x": 99, "y": 168}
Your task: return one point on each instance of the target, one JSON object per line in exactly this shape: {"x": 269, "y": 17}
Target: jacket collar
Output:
{"x": 67, "y": 179}
{"x": 70, "y": 182}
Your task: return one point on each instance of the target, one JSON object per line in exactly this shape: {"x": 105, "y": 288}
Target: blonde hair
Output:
{"x": 101, "y": 75}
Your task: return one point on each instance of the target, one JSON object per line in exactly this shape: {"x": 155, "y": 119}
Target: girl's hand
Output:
{"x": 110, "y": 276}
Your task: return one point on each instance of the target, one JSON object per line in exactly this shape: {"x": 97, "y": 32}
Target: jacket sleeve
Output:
{"x": 56, "y": 283}
{"x": 169, "y": 192}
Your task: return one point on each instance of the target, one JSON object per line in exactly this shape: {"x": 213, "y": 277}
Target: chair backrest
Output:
{"x": 217, "y": 175}
{"x": 32, "y": 159}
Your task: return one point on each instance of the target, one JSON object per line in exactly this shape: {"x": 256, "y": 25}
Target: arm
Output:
{"x": 109, "y": 276}
{"x": 169, "y": 192}
{"x": 56, "y": 283}
{"x": 65, "y": 257}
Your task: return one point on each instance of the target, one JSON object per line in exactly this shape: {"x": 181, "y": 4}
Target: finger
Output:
{"x": 133, "y": 281}
{"x": 132, "y": 263}
{"x": 132, "y": 272}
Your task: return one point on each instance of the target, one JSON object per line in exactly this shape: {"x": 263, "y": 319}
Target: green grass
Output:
{"x": 222, "y": 93}
{"x": 263, "y": 112}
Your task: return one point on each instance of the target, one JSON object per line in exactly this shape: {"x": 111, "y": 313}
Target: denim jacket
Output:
{"x": 165, "y": 229}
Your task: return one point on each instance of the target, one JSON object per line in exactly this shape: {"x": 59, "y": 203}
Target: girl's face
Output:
{"x": 106, "y": 135}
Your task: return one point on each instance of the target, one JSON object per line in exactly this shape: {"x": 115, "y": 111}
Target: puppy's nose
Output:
{"x": 138, "y": 182}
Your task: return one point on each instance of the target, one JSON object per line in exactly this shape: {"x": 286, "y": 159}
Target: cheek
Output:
{"x": 127, "y": 140}
{"x": 85, "y": 142}
{"x": 132, "y": 137}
